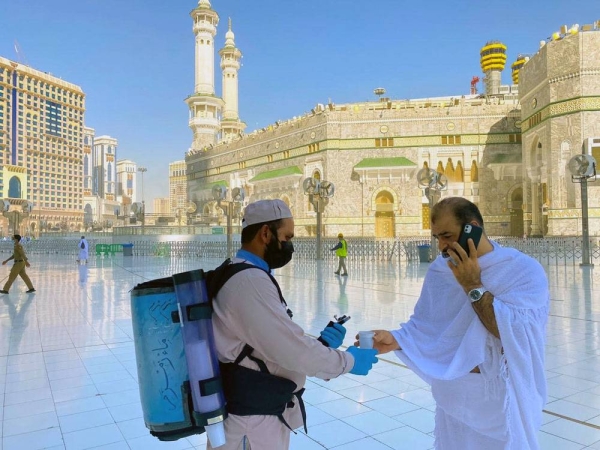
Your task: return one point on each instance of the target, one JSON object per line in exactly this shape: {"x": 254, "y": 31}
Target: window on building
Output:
{"x": 14, "y": 188}
{"x": 426, "y": 217}
{"x": 535, "y": 119}
{"x": 514, "y": 138}
{"x": 451, "y": 140}
{"x": 384, "y": 142}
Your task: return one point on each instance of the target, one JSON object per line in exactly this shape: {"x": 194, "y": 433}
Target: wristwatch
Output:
{"x": 476, "y": 294}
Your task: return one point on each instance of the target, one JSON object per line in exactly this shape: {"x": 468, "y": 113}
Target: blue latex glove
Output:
{"x": 364, "y": 358}
{"x": 334, "y": 336}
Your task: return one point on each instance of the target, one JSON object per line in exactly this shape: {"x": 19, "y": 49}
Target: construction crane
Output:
{"x": 21, "y": 59}
{"x": 474, "y": 82}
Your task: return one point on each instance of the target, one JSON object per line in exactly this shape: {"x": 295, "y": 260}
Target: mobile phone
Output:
{"x": 341, "y": 320}
{"x": 469, "y": 231}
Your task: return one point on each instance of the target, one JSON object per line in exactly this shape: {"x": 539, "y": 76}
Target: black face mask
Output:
{"x": 278, "y": 253}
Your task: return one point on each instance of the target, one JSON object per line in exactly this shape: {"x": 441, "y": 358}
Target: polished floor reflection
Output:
{"x": 68, "y": 373}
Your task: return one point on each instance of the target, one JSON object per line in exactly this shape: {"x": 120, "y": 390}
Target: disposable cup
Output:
{"x": 365, "y": 339}
{"x": 216, "y": 434}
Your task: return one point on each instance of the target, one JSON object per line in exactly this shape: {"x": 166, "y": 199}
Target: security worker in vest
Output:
{"x": 264, "y": 356}
{"x": 341, "y": 250}
{"x": 18, "y": 268}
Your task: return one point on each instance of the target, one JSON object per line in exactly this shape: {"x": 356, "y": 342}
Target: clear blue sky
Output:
{"x": 134, "y": 59}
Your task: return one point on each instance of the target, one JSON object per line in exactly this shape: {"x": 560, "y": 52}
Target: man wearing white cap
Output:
{"x": 265, "y": 357}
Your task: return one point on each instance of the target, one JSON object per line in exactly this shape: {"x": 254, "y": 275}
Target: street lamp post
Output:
{"x": 237, "y": 197}
{"x": 319, "y": 192}
{"x": 39, "y": 208}
{"x": 583, "y": 168}
{"x": 143, "y": 170}
{"x": 433, "y": 183}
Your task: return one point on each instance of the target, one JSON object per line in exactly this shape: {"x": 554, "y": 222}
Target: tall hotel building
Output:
{"x": 101, "y": 204}
{"x": 41, "y": 148}
{"x": 177, "y": 186}
{"x": 162, "y": 206}
{"x": 126, "y": 177}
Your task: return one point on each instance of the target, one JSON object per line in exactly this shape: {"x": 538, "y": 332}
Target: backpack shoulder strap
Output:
{"x": 216, "y": 279}
{"x": 288, "y": 310}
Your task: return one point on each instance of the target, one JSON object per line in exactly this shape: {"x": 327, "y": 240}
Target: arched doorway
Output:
{"x": 474, "y": 172}
{"x": 516, "y": 213}
{"x": 459, "y": 173}
{"x": 384, "y": 215}
{"x": 449, "y": 171}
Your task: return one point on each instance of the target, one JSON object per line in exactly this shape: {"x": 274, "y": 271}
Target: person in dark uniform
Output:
{"x": 19, "y": 267}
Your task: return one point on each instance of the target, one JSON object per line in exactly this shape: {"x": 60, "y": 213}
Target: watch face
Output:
{"x": 476, "y": 294}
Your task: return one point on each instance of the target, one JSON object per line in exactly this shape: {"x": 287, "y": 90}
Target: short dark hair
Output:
{"x": 17, "y": 237}
{"x": 250, "y": 231}
{"x": 463, "y": 210}
{"x": 82, "y": 237}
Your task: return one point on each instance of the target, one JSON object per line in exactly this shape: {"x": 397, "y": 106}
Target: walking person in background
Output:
{"x": 341, "y": 250}
{"x": 83, "y": 250}
{"x": 19, "y": 267}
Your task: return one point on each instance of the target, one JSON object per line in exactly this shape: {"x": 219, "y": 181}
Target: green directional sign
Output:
{"x": 218, "y": 230}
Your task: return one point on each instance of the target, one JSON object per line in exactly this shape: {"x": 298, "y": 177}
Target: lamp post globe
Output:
{"x": 319, "y": 192}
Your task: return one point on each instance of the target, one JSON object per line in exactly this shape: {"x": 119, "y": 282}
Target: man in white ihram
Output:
{"x": 84, "y": 248}
{"x": 477, "y": 335}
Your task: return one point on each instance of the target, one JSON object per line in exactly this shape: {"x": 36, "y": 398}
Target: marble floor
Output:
{"x": 68, "y": 372}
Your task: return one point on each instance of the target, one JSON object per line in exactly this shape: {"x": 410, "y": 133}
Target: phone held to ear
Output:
{"x": 469, "y": 231}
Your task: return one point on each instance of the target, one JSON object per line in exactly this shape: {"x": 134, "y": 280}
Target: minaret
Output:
{"x": 205, "y": 107}
{"x": 517, "y": 66}
{"x": 493, "y": 60}
{"x": 231, "y": 125}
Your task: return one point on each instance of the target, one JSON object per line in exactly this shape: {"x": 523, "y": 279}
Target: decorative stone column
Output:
{"x": 533, "y": 174}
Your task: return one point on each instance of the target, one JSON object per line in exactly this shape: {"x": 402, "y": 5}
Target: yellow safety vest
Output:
{"x": 342, "y": 251}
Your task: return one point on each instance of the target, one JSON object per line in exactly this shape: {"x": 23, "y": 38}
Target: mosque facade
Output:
{"x": 506, "y": 149}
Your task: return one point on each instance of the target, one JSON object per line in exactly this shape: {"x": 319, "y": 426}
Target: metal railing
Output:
{"x": 53, "y": 246}
{"x": 170, "y": 230}
{"x": 550, "y": 250}
{"x": 554, "y": 250}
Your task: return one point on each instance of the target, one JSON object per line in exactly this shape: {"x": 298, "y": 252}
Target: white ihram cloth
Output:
{"x": 500, "y": 408}
{"x": 83, "y": 252}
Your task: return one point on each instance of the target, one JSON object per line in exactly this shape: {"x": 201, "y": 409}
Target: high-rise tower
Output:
{"x": 205, "y": 107}
{"x": 493, "y": 60}
{"x": 231, "y": 125}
